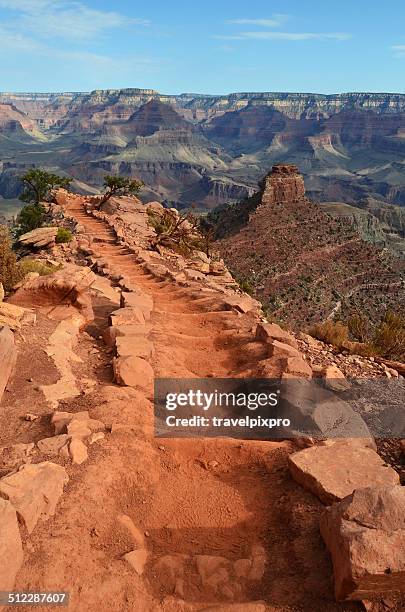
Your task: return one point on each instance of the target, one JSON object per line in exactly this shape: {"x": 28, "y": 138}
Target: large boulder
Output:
{"x": 8, "y": 357}
{"x": 39, "y": 238}
{"x": 335, "y": 470}
{"x": 34, "y": 491}
{"x": 11, "y": 552}
{"x": 365, "y": 534}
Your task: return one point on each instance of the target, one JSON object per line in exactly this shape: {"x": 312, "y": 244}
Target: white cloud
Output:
{"x": 399, "y": 50}
{"x": 274, "y": 22}
{"x": 66, "y": 19}
{"x": 294, "y": 36}
{"x": 297, "y": 35}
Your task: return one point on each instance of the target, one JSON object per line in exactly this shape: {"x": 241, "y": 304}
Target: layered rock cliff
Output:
{"x": 349, "y": 146}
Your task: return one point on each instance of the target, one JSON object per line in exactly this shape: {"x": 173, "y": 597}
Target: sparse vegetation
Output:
{"x": 386, "y": 339}
{"x": 245, "y": 284}
{"x": 63, "y": 235}
{"x": 10, "y": 273}
{"x": 331, "y": 332}
{"x": 177, "y": 231}
{"x": 31, "y": 217}
{"x": 36, "y": 265}
{"x": 389, "y": 337}
{"x": 360, "y": 328}
{"x": 38, "y": 185}
{"x": 120, "y": 186}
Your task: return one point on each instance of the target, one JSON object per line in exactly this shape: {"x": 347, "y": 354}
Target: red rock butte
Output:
{"x": 283, "y": 184}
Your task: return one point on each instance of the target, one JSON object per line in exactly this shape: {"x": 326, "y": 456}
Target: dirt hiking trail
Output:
{"x": 222, "y": 520}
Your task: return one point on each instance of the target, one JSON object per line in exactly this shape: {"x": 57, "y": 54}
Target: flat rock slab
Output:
{"x": 34, "y": 491}
{"x": 334, "y": 471}
{"x": 8, "y": 357}
{"x": 127, "y": 316}
{"x": 365, "y": 534}
{"x": 128, "y": 346}
{"x": 11, "y": 552}
{"x": 136, "y": 299}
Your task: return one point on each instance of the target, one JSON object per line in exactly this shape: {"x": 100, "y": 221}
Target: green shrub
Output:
{"x": 244, "y": 283}
{"x": 38, "y": 184}
{"x": 36, "y": 265}
{"x": 331, "y": 332}
{"x": 9, "y": 269}
{"x": 63, "y": 235}
{"x": 31, "y": 217}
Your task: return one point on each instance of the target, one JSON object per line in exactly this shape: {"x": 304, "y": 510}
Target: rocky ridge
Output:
{"x": 304, "y": 265}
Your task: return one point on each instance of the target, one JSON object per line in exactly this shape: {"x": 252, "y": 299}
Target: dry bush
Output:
{"x": 331, "y": 332}
{"x": 360, "y": 328}
{"x": 9, "y": 269}
{"x": 389, "y": 337}
{"x": 36, "y": 265}
{"x": 176, "y": 231}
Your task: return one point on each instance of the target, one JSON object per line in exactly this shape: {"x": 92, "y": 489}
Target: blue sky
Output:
{"x": 211, "y": 46}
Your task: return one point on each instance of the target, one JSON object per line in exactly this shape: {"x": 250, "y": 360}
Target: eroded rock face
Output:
{"x": 334, "y": 471}
{"x": 59, "y": 295}
{"x": 365, "y": 534}
{"x": 11, "y": 552}
{"x": 283, "y": 184}
{"x": 8, "y": 357}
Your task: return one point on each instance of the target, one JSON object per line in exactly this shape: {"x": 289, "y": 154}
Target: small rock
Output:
{"x": 137, "y": 559}
{"x": 96, "y": 437}
{"x": 31, "y": 417}
{"x": 78, "y": 429}
{"x": 136, "y": 535}
{"x": 78, "y": 451}
{"x": 11, "y": 551}
{"x": 52, "y": 446}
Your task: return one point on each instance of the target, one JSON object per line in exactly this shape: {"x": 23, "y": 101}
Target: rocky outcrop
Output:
{"x": 365, "y": 534}
{"x": 303, "y": 264}
{"x": 40, "y": 238}
{"x": 61, "y": 294}
{"x": 284, "y": 184}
